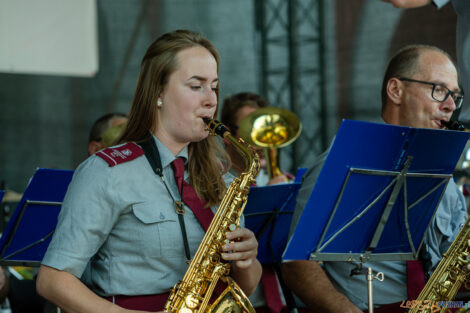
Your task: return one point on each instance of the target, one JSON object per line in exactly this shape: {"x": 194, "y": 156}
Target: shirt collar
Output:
{"x": 166, "y": 156}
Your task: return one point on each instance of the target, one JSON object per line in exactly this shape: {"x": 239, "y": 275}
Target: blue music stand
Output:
{"x": 268, "y": 213}
{"x": 29, "y": 230}
{"x": 2, "y": 193}
{"x": 376, "y": 193}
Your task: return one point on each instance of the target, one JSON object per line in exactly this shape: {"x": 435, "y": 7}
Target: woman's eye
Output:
{"x": 195, "y": 87}
{"x": 215, "y": 89}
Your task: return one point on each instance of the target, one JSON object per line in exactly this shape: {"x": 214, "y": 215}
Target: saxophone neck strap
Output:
{"x": 153, "y": 157}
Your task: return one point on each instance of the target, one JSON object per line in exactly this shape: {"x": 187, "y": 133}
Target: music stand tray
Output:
{"x": 376, "y": 193}
{"x": 29, "y": 230}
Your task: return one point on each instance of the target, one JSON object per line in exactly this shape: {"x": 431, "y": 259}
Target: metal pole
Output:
{"x": 370, "y": 278}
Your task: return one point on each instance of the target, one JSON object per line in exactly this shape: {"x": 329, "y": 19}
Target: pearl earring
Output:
{"x": 159, "y": 103}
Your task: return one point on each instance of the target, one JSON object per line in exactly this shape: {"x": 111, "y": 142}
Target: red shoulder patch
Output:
{"x": 121, "y": 154}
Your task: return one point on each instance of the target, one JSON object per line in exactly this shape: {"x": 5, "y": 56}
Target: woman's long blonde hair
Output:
{"x": 207, "y": 159}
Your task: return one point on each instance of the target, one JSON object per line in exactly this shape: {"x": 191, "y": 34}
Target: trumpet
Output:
{"x": 270, "y": 128}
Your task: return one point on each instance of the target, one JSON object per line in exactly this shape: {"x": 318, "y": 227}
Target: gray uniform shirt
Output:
{"x": 450, "y": 216}
{"x": 118, "y": 229}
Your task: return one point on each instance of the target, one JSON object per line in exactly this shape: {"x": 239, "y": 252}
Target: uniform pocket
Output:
{"x": 157, "y": 230}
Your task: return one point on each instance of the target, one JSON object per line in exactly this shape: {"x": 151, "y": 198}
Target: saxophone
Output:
{"x": 451, "y": 272}
{"x": 193, "y": 292}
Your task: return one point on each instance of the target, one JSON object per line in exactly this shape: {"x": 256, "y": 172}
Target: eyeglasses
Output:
{"x": 439, "y": 92}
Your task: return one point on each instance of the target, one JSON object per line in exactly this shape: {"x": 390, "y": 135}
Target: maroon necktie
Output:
{"x": 271, "y": 289}
{"x": 189, "y": 196}
{"x": 414, "y": 278}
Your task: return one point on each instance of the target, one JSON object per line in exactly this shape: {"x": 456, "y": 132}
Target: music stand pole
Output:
{"x": 370, "y": 279}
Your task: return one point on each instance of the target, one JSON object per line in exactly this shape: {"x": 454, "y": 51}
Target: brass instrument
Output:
{"x": 451, "y": 272}
{"x": 112, "y": 135}
{"x": 271, "y": 128}
{"x": 193, "y": 292}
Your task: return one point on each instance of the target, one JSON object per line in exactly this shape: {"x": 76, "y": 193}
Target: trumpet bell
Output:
{"x": 270, "y": 127}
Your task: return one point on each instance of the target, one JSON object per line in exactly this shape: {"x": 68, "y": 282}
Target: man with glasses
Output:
{"x": 439, "y": 92}
{"x": 420, "y": 89}
{"x": 462, "y": 9}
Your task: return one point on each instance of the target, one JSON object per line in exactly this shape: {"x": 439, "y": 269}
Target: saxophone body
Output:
{"x": 194, "y": 292}
{"x": 451, "y": 272}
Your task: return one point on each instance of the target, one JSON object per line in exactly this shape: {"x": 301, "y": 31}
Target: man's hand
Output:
{"x": 408, "y": 3}
{"x": 278, "y": 180}
{"x": 4, "y": 284}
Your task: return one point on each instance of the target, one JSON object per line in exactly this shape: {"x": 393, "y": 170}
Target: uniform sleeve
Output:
{"x": 87, "y": 216}
{"x": 446, "y": 224}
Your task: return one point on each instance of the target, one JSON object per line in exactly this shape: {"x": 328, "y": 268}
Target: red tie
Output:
{"x": 189, "y": 196}
{"x": 271, "y": 289}
{"x": 414, "y": 278}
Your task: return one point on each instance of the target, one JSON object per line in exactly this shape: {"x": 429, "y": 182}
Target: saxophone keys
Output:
{"x": 191, "y": 302}
{"x": 232, "y": 227}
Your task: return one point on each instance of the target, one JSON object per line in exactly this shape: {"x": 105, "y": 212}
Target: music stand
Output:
{"x": 2, "y": 193}
{"x": 29, "y": 230}
{"x": 377, "y": 180}
{"x": 268, "y": 213}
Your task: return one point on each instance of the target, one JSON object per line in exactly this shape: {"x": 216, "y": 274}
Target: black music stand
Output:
{"x": 29, "y": 230}
{"x": 376, "y": 193}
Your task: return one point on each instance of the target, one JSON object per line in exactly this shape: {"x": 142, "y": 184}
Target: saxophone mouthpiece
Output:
{"x": 215, "y": 127}
{"x": 453, "y": 125}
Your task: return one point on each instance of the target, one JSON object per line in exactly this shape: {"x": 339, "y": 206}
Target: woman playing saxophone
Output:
{"x": 135, "y": 214}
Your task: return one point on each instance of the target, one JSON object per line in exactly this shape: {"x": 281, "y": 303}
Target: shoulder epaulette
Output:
{"x": 117, "y": 155}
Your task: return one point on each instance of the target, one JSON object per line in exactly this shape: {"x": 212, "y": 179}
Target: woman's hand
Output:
{"x": 242, "y": 248}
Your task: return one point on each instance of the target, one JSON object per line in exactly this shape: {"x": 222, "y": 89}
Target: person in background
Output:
{"x": 420, "y": 88}
{"x": 100, "y": 127}
{"x": 268, "y": 297}
{"x": 234, "y": 109}
{"x": 120, "y": 244}
{"x": 462, "y": 8}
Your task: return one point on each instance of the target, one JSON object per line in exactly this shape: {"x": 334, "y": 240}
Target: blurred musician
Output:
{"x": 235, "y": 109}
{"x": 420, "y": 88}
{"x": 100, "y": 127}
{"x": 268, "y": 297}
